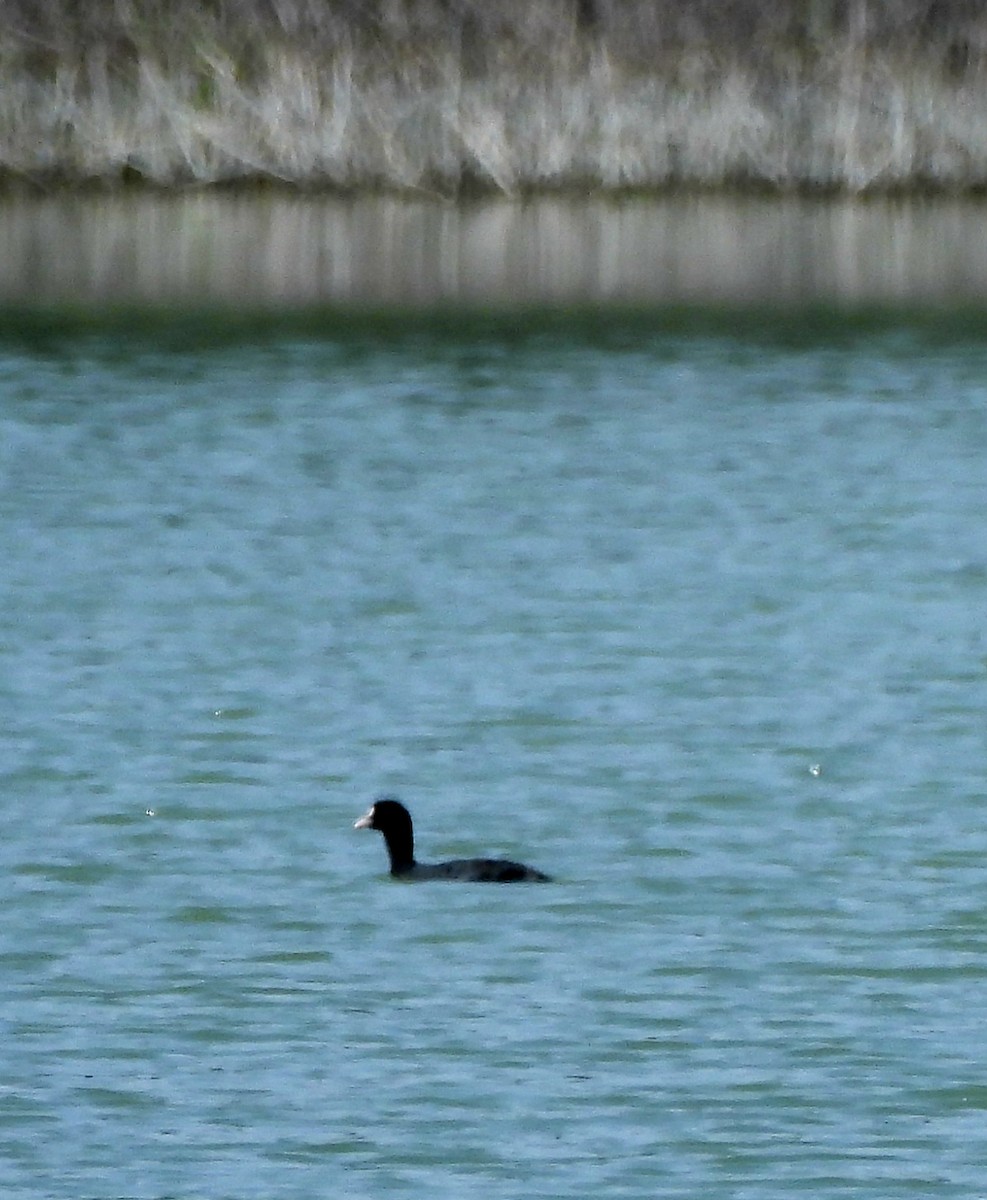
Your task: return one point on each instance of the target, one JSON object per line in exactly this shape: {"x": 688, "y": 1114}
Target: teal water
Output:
{"x": 690, "y": 615}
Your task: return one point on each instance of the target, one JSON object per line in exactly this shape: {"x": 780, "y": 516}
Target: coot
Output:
{"x": 393, "y": 820}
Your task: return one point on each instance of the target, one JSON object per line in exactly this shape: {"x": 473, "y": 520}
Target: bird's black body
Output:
{"x": 393, "y": 820}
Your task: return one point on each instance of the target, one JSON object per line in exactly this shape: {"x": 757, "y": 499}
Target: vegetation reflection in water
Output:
{"x": 282, "y": 252}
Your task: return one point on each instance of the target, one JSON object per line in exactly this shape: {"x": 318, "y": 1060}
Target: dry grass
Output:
{"x": 440, "y": 95}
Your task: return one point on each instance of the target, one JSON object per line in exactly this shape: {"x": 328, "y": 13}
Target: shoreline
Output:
{"x": 548, "y": 98}
{"x": 244, "y": 186}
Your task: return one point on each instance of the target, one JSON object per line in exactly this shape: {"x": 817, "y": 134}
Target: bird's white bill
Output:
{"x": 366, "y": 821}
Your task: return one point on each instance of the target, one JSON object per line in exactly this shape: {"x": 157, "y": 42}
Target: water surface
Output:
{"x": 691, "y": 620}
{"x": 289, "y": 250}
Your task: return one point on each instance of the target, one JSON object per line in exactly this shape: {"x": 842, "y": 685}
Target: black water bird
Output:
{"x": 393, "y": 820}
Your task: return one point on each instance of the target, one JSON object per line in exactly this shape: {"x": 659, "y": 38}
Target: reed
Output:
{"x": 446, "y": 95}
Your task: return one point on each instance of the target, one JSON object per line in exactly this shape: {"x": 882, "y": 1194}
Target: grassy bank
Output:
{"x": 443, "y": 95}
